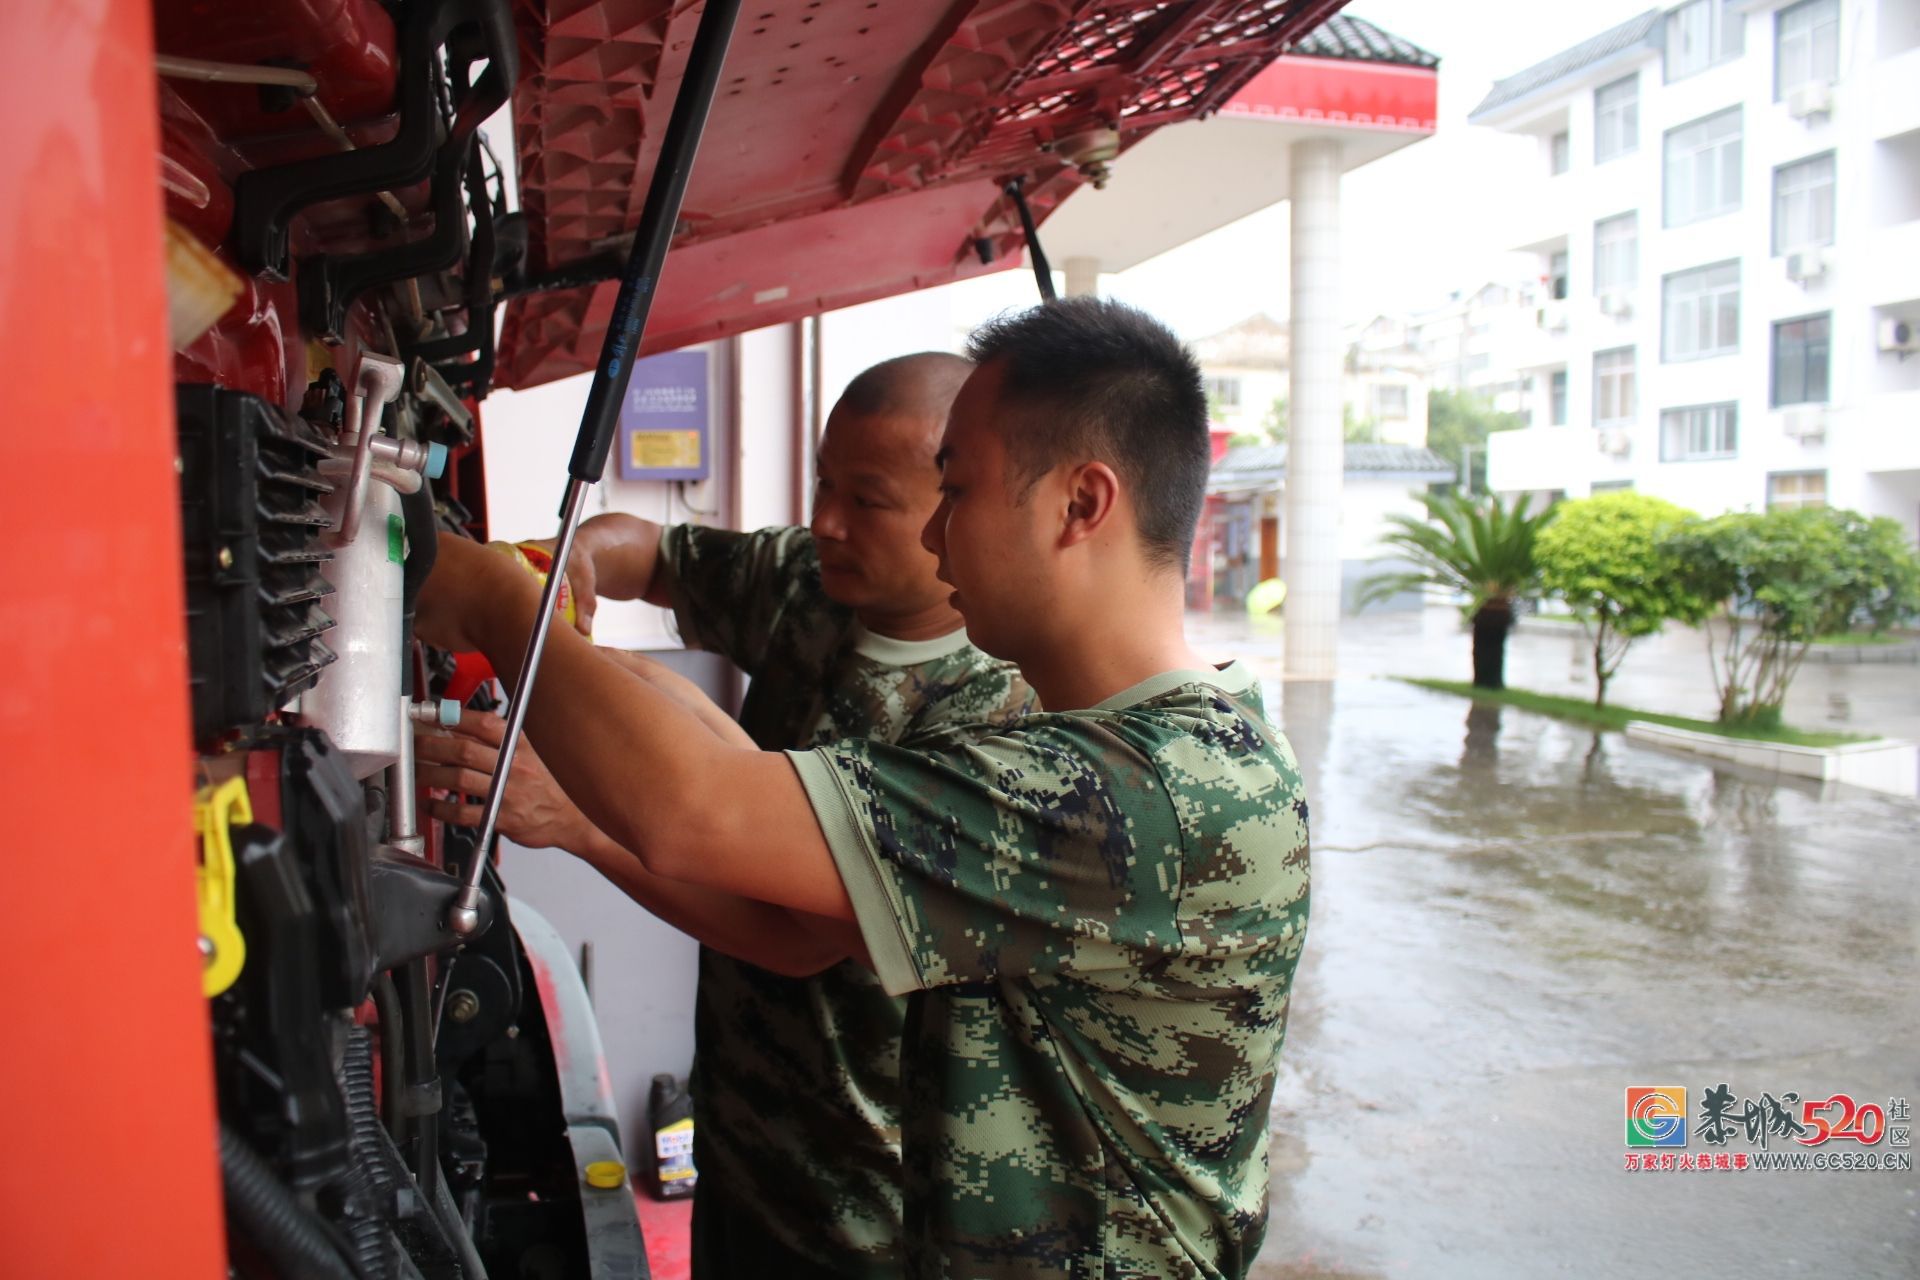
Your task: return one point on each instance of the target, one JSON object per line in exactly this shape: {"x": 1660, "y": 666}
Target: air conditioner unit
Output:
{"x": 1899, "y": 335}
{"x": 1613, "y": 440}
{"x": 1552, "y": 316}
{"x": 1812, "y": 99}
{"x": 1618, "y": 305}
{"x": 1805, "y": 424}
{"x": 1806, "y": 265}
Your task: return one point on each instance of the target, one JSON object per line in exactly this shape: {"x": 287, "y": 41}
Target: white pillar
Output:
{"x": 1315, "y": 466}
{"x": 1083, "y": 277}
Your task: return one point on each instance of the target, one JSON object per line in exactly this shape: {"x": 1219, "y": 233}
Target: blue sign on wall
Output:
{"x": 664, "y": 421}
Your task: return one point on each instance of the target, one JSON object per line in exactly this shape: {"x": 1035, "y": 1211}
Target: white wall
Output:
{"x": 1366, "y": 502}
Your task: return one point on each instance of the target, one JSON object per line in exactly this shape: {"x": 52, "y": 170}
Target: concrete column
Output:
{"x": 1314, "y": 449}
{"x": 1083, "y": 277}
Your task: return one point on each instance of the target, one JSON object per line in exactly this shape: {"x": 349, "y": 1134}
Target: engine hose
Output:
{"x": 386, "y": 1002}
{"x": 265, "y": 1212}
{"x": 379, "y": 1163}
{"x": 370, "y": 1175}
{"x": 455, "y": 1227}
{"x": 423, "y": 544}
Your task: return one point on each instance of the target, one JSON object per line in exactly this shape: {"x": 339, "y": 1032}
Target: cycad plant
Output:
{"x": 1478, "y": 547}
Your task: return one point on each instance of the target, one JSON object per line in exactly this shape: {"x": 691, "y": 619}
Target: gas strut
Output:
{"x": 610, "y": 377}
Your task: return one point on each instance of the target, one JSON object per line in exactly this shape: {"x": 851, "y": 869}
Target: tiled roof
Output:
{"x": 1254, "y": 464}
{"x": 1357, "y": 40}
{"x": 1643, "y": 30}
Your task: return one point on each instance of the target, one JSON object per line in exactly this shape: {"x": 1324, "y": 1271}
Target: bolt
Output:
{"x": 463, "y": 1006}
{"x": 206, "y": 951}
{"x": 225, "y": 557}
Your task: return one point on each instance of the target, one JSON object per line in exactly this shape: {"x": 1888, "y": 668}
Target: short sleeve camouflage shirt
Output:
{"x": 1100, "y": 912}
{"x": 796, "y": 1081}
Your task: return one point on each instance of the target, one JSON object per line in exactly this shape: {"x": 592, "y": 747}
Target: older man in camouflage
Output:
{"x": 846, "y": 634}
{"x": 1098, "y": 910}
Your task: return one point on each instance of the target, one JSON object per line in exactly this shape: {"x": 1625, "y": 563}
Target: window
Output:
{"x": 1223, "y": 393}
{"x": 1803, "y": 204}
{"x": 1789, "y": 489}
{"x": 1616, "y": 119}
{"x": 1702, "y": 431}
{"x": 1703, "y": 168}
{"x": 1557, "y": 397}
{"x": 1616, "y": 253}
{"x": 1613, "y": 385}
{"x": 1557, "y": 274}
{"x": 1800, "y": 357}
{"x": 1700, "y": 312}
{"x": 1390, "y": 402}
{"x": 1559, "y": 153}
{"x": 1806, "y": 45}
{"x": 1702, "y": 34}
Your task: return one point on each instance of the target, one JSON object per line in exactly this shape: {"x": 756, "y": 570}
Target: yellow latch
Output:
{"x": 223, "y": 950}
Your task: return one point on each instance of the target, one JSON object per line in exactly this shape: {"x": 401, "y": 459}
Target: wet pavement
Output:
{"x": 1513, "y": 921}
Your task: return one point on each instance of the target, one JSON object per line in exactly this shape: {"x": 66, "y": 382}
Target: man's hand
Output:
{"x": 469, "y": 588}
{"x": 463, "y": 760}
{"x": 582, "y": 576}
{"x": 615, "y": 556}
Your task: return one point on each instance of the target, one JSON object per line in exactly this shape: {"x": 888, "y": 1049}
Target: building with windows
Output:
{"x": 1725, "y": 211}
{"x": 1247, "y": 369}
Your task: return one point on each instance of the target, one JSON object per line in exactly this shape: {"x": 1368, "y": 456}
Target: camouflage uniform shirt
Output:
{"x": 1100, "y": 912}
{"x": 796, "y": 1081}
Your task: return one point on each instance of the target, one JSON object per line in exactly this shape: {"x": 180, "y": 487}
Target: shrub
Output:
{"x": 1606, "y": 557}
{"x": 1478, "y": 547}
{"x": 1780, "y": 580}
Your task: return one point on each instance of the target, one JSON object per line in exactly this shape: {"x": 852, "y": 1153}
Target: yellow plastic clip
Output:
{"x": 224, "y": 951}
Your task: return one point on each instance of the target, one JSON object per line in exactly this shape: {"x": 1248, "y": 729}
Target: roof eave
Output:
{"x": 1591, "y": 76}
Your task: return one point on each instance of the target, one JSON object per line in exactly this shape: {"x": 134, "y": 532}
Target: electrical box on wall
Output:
{"x": 666, "y": 419}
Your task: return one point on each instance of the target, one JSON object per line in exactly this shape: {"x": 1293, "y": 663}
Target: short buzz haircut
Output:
{"x": 1090, "y": 378}
{"x": 921, "y": 385}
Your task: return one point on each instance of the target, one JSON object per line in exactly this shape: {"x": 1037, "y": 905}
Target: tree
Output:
{"x": 1477, "y": 546}
{"x": 1354, "y": 429}
{"x": 1782, "y": 578}
{"x": 1462, "y": 420}
{"x": 1275, "y": 421}
{"x": 1606, "y": 557}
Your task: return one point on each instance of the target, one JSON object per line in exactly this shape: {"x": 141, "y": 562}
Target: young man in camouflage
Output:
{"x": 846, "y": 633}
{"x": 1098, "y": 910}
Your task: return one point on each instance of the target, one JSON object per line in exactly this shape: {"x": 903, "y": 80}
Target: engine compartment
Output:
{"x": 393, "y": 1099}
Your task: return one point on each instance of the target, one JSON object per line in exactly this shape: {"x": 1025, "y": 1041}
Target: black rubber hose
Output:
{"x": 386, "y": 1001}
{"x": 260, "y": 1207}
{"x": 423, "y": 544}
{"x": 369, "y": 1176}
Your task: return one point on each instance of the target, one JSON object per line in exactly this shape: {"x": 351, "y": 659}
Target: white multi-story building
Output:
{"x": 1248, "y": 369}
{"x": 1466, "y": 343}
{"x": 1725, "y": 207}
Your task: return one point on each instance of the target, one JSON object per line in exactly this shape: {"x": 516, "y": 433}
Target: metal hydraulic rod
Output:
{"x": 658, "y": 218}
{"x": 1042, "y": 270}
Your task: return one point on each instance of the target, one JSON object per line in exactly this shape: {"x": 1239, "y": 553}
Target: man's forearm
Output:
{"x": 785, "y": 942}
{"x": 626, "y": 558}
{"x": 646, "y": 772}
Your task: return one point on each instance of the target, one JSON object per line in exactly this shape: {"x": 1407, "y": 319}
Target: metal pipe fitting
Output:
{"x": 379, "y": 377}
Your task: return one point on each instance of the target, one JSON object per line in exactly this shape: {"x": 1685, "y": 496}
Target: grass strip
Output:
{"x": 1583, "y": 711}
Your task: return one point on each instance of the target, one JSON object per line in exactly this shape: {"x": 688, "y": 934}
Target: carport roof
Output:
{"x": 1258, "y": 466}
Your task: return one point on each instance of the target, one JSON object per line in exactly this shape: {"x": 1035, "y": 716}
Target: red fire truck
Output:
{"x": 258, "y": 273}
